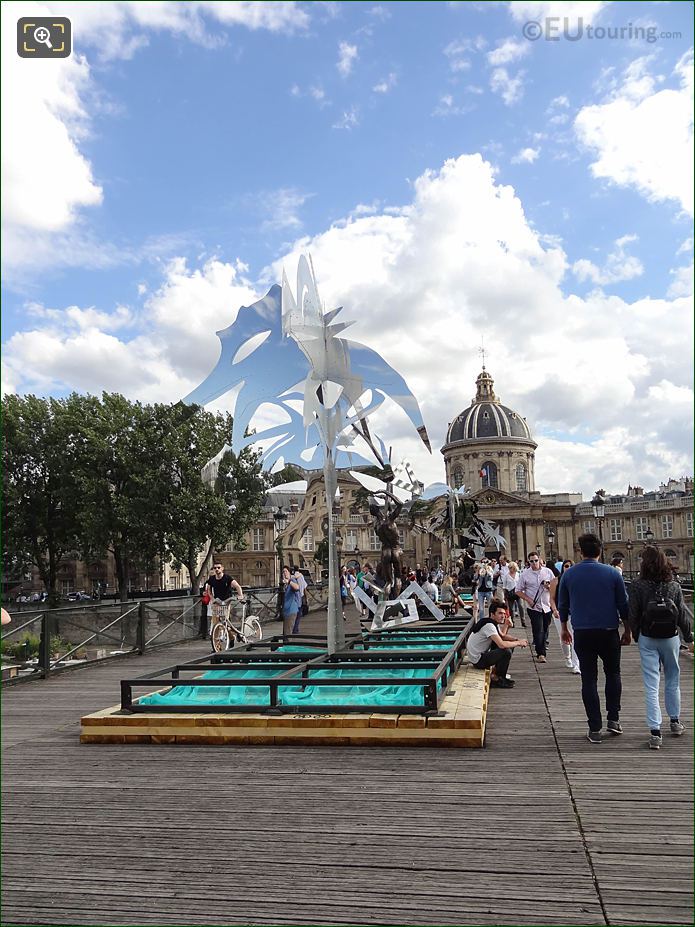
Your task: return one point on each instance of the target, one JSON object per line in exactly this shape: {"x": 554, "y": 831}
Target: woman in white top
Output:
{"x": 568, "y": 652}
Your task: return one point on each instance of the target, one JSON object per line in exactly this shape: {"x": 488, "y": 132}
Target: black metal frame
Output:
{"x": 360, "y": 652}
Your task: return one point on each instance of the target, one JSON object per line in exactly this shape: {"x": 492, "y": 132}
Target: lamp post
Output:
{"x": 538, "y": 550}
{"x": 598, "y": 506}
{"x": 551, "y": 541}
{"x": 649, "y": 536}
{"x": 428, "y": 557}
{"x": 628, "y": 547}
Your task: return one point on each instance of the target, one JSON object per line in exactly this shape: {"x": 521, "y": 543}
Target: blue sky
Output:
{"x": 184, "y": 151}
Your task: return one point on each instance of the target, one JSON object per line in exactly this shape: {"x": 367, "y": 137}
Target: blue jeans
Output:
{"x": 540, "y": 622}
{"x": 652, "y": 650}
{"x": 483, "y": 597}
{"x": 590, "y": 644}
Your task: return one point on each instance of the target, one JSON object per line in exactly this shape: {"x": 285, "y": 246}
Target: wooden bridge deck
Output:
{"x": 540, "y": 827}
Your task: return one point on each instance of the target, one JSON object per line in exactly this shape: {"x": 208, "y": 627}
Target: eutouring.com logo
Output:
{"x": 562, "y": 28}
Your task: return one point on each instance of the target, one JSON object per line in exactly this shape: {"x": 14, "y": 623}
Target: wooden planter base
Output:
{"x": 459, "y": 723}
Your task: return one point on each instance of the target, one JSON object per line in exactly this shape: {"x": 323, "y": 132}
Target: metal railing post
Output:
{"x": 203, "y": 621}
{"x": 45, "y": 646}
{"x": 141, "y": 628}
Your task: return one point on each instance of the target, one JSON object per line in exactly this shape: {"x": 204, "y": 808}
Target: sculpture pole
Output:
{"x": 335, "y": 624}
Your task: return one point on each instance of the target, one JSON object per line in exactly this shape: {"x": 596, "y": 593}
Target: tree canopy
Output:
{"x": 89, "y": 475}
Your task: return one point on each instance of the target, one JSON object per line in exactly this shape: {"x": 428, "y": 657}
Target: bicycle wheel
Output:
{"x": 252, "y": 630}
{"x": 220, "y": 637}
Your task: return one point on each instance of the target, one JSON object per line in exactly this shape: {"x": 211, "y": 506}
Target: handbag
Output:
{"x": 205, "y": 598}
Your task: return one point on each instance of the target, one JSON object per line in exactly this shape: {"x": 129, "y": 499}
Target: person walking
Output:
{"x": 291, "y": 601}
{"x": 534, "y": 588}
{"x": 594, "y": 593}
{"x": 568, "y": 651}
{"x": 657, "y": 613}
{"x": 484, "y": 587}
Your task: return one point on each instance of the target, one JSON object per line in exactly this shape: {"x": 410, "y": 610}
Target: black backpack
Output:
{"x": 660, "y": 616}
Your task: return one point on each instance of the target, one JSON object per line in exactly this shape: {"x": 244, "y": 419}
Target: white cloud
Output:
{"x": 49, "y": 184}
{"x": 174, "y": 349}
{"x": 386, "y": 84}
{"x": 510, "y": 88}
{"x": 618, "y": 266}
{"x": 643, "y": 137}
{"x": 347, "y": 55}
{"x": 45, "y": 176}
{"x": 510, "y": 50}
{"x": 537, "y": 10}
{"x": 526, "y": 156}
{"x": 446, "y": 106}
{"x": 281, "y": 208}
{"x": 349, "y": 119}
{"x": 459, "y": 51}
{"x": 686, "y": 246}
{"x": 460, "y": 257}
{"x": 682, "y": 284}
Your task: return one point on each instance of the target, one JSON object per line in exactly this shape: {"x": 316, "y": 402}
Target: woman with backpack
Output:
{"x": 657, "y": 613}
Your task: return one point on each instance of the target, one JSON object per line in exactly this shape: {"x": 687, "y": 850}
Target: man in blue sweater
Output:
{"x": 594, "y": 595}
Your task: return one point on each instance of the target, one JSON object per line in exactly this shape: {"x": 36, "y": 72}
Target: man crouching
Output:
{"x": 489, "y": 645}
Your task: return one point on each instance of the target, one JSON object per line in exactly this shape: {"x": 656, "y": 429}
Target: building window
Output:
{"x": 589, "y": 526}
{"x": 615, "y": 527}
{"x": 258, "y": 539}
{"x": 229, "y": 547}
{"x": 688, "y": 524}
{"x": 374, "y": 542}
{"x": 458, "y": 478}
{"x": 350, "y": 540}
{"x": 520, "y": 473}
{"x": 67, "y": 586}
{"x": 401, "y": 537}
{"x": 308, "y": 539}
{"x": 671, "y": 556}
{"x": 488, "y": 472}
{"x": 641, "y": 525}
{"x": 667, "y": 526}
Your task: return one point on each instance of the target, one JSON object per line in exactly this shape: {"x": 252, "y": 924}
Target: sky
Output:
{"x": 517, "y": 175}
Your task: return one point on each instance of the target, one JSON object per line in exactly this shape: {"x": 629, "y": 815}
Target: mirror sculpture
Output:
{"x": 286, "y": 350}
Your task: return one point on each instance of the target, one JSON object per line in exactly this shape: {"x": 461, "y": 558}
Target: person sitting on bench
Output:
{"x": 489, "y": 645}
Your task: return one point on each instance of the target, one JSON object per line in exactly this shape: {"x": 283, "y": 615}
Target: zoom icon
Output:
{"x": 44, "y": 37}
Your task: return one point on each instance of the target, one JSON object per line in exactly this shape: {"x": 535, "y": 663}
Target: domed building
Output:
{"x": 489, "y": 444}
{"x": 490, "y": 450}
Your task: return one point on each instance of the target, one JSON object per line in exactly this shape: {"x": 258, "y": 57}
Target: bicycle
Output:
{"x": 224, "y": 630}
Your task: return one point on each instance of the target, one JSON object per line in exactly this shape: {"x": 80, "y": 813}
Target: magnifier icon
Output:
{"x": 43, "y": 36}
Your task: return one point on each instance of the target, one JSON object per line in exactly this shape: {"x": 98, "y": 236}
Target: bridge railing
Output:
{"x": 41, "y": 643}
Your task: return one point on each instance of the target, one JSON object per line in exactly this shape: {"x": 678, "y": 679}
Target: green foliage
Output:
{"x": 288, "y": 474}
{"x": 321, "y": 553}
{"x": 21, "y": 649}
{"x": 90, "y": 475}
{"x": 40, "y": 488}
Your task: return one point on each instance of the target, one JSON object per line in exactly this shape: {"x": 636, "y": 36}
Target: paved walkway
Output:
{"x": 540, "y": 827}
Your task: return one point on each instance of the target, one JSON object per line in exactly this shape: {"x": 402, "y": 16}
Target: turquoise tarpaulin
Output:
{"x": 349, "y": 694}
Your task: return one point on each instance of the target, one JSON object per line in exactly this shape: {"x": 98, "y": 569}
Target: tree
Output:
{"x": 125, "y": 482}
{"x": 204, "y": 515}
{"x": 198, "y": 517}
{"x": 40, "y": 488}
{"x": 288, "y": 474}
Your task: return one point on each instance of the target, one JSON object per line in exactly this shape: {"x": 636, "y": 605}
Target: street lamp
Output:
{"x": 427, "y": 558}
{"x": 628, "y": 546}
{"x": 649, "y": 535}
{"x": 598, "y": 506}
{"x": 551, "y": 541}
